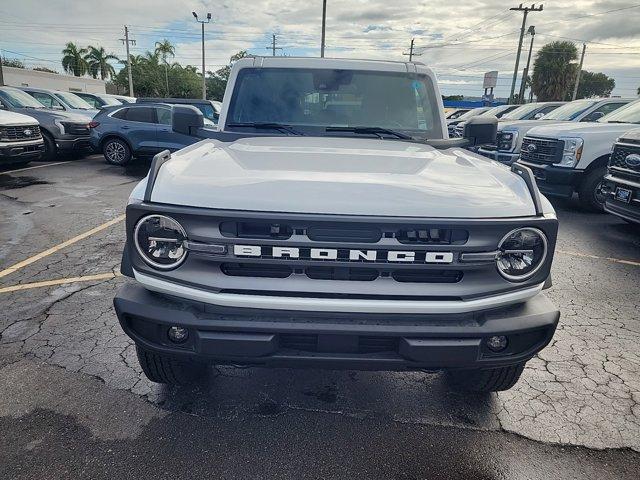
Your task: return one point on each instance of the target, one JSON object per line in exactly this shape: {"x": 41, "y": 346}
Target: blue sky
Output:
{"x": 460, "y": 43}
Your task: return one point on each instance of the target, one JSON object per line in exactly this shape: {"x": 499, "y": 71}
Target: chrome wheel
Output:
{"x": 115, "y": 152}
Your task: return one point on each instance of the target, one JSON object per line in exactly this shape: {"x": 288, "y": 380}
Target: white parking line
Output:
{"x": 35, "y": 166}
{"x": 596, "y": 257}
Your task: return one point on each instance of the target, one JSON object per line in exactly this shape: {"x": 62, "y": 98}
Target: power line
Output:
{"x": 525, "y": 11}
{"x": 273, "y": 47}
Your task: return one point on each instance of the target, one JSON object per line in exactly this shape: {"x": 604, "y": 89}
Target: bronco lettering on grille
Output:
{"x": 342, "y": 254}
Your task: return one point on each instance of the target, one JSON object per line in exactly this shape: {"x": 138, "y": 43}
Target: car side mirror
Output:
{"x": 186, "y": 119}
{"x": 481, "y": 130}
{"x": 596, "y": 115}
{"x": 57, "y": 107}
{"x": 538, "y": 116}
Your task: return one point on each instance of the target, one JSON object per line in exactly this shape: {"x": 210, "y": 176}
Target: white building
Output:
{"x": 22, "y": 77}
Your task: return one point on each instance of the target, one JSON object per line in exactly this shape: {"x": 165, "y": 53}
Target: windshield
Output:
{"x": 308, "y": 98}
{"x": 521, "y": 112}
{"x": 472, "y": 113}
{"x": 109, "y": 100}
{"x": 73, "y": 101}
{"x": 627, "y": 114}
{"x": 570, "y": 110}
{"x": 20, "y": 99}
{"x": 208, "y": 112}
{"x": 496, "y": 110}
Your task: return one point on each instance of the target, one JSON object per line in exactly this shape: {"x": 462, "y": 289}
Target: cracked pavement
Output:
{"x": 576, "y": 407}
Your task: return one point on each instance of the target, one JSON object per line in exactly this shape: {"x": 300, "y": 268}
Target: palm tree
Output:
{"x": 73, "y": 60}
{"x": 165, "y": 49}
{"x": 554, "y": 71}
{"x": 98, "y": 62}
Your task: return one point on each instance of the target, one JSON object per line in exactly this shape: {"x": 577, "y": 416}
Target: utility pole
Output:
{"x": 324, "y": 25}
{"x": 575, "y": 87}
{"x": 204, "y": 82}
{"x": 126, "y": 41}
{"x": 526, "y": 11}
{"x": 411, "y": 54}
{"x": 1, "y": 74}
{"x": 525, "y": 74}
{"x": 273, "y": 47}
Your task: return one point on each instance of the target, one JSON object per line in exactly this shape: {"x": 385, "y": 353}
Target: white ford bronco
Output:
{"x": 331, "y": 223}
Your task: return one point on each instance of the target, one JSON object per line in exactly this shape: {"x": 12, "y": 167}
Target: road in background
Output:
{"x": 76, "y": 405}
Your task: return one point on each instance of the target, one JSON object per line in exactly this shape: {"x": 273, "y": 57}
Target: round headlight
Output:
{"x": 521, "y": 253}
{"x": 160, "y": 241}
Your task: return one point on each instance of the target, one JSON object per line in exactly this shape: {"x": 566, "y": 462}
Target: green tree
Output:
{"x": 165, "y": 49}
{"x": 217, "y": 81}
{"x": 73, "y": 60}
{"x": 12, "y": 62}
{"x": 98, "y": 62}
{"x": 594, "y": 84}
{"x": 553, "y": 72}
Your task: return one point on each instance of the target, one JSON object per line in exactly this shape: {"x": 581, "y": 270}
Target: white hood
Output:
{"x": 12, "y": 118}
{"x": 346, "y": 176}
{"x": 583, "y": 130}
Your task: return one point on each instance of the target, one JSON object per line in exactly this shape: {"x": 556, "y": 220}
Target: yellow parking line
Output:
{"x": 596, "y": 257}
{"x": 35, "y": 166}
{"x": 60, "y": 281}
{"x": 60, "y": 246}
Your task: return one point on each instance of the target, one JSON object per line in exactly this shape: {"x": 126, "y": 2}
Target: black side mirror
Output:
{"x": 481, "y": 130}
{"x": 186, "y": 119}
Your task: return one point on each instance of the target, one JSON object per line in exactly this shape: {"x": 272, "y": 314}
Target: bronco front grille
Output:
{"x": 17, "y": 133}
{"x": 619, "y": 156}
{"x": 541, "y": 150}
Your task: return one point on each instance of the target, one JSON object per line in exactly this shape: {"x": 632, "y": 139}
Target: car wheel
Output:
{"x": 50, "y": 150}
{"x": 484, "y": 381}
{"x": 116, "y": 152}
{"x": 165, "y": 369}
{"x": 590, "y": 193}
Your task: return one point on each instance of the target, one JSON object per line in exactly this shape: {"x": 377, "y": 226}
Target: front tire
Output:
{"x": 166, "y": 369}
{"x": 590, "y": 196}
{"x": 485, "y": 381}
{"x": 50, "y": 149}
{"x": 116, "y": 152}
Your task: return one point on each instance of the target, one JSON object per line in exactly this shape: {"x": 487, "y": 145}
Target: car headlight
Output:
{"x": 507, "y": 140}
{"x": 72, "y": 127}
{"x": 160, "y": 241}
{"x": 571, "y": 152}
{"x": 521, "y": 253}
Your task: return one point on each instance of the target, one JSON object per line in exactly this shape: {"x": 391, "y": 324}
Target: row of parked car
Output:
{"x": 41, "y": 123}
{"x": 590, "y": 147}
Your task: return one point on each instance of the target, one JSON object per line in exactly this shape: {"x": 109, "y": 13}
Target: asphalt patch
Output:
{"x": 9, "y": 182}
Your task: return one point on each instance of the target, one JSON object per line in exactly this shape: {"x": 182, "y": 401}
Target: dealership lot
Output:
{"x": 71, "y": 379}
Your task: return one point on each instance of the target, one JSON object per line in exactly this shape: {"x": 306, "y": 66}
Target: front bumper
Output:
{"x": 20, "y": 152}
{"x": 74, "y": 144}
{"x": 555, "y": 181}
{"x": 370, "y": 341}
{"x": 503, "y": 157}
{"x": 629, "y": 211}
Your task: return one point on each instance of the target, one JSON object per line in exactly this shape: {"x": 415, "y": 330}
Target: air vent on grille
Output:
{"x": 255, "y": 230}
{"x": 427, "y": 276}
{"x": 309, "y": 343}
{"x": 14, "y": 133}
{"x": 341, "y": 273}
{"x": 252, "y": 270}
{"x": 344, "y": 234}
{"x": 541, "y": 150}
{"x": 619, "y": 156}
{"x": 431, "y": 236}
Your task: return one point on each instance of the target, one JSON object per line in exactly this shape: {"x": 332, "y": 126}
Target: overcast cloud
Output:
{"x": 459, "y": 40}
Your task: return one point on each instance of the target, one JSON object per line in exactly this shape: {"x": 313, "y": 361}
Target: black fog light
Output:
{"x": 178, "y": 334}
{"x": 497, "y": 343}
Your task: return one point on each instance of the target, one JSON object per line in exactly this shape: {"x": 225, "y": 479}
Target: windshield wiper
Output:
{"x": 266, "y": 126}
{"x": 379, "y": 131}
{"x": 617, "y": 121}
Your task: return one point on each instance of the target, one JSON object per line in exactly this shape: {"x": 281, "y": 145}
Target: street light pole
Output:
{"x": 324, "y": 24}
{"x": 204, "y": 82}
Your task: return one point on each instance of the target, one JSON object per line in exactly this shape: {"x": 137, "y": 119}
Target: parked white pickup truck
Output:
{"x": 331, "y": 223}
{"x": 511, "y": 133}
{"x": 20, "y": 138}
{"x": 573, "y": 157}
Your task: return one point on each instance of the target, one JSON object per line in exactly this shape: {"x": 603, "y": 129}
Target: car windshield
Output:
{"x": 314, "y": 99}
{"x": 73, "y": 100}
{"x": 495, "y": 110}
{"x": 627, "y": 114}
{"x": 472, "y": 113}
{"x": 521, "y": 112}
{"x": 20, "y": 99}
{"x": 208, "y": 111}
{"x": 570, "y": 110}
{"x": 109, "y": 100}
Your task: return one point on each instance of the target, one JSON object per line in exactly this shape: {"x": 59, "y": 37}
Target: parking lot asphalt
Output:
{"x": 76, "y": 405}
